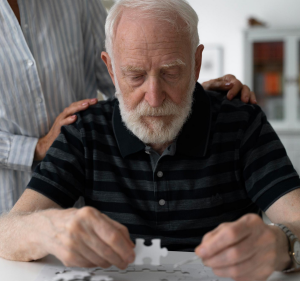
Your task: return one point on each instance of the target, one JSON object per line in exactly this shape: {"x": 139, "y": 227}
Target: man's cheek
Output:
{"x": 132, "y": 99}
{"x": 126, "y": 87}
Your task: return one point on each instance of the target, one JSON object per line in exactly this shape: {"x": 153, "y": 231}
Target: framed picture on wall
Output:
{"x": 212, "y": 63}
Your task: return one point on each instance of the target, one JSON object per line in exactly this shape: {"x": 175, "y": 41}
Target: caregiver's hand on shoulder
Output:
{"x": 67, "y": 117}
{"x": 233, "y": 86}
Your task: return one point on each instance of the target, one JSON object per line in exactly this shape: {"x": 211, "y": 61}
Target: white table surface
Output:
{"x": 29, "y": 271}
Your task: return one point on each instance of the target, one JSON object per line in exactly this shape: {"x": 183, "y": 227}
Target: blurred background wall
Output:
{"x": 221, "y": 22}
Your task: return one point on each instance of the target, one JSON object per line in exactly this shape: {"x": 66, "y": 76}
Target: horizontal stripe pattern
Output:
{"x": 47, "y": 63}
{"x": 245, "y": 170}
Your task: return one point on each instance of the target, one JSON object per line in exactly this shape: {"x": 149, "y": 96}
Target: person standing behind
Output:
{"x": 51, "y": 68}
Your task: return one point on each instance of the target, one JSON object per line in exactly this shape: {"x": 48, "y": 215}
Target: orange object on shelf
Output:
{"x": 273, "y": 83}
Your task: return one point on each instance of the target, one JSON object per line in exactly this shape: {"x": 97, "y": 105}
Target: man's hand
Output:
{"x": 86, "y": 238}
{"x": 233, "y": 86}
{"x": 67, "y": 117}
{"x": 245, "y": 250}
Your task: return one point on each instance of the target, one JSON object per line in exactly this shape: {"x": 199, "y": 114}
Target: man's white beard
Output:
{"x": 156, "y": 131}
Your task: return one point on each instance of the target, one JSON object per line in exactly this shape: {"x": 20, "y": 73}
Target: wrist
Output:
{"x": 39, "y": 150}
{"x": 41, "y": 230}
{"x": 22, "y": 243}
{"x": 282, "y": 249}
{"x": 54, "y": 222}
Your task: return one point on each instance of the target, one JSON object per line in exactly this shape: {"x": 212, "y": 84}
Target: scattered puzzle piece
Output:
{"x": 165, "y": 272}
{"x": 101, "y": 278}
{"x": 169, "y": 268}
{"x": 71, "y": 275}
{"x": 145, "y": 267}
{"x": 154, "y": 252}
{"x": 111, "y": 269}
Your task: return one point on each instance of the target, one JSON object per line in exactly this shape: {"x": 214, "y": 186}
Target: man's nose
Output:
{"x": 155, "y": 94}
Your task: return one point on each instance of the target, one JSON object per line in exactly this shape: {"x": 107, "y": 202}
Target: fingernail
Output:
{"x": 74, "y": 116}
{"x": 227, "y": 84}
{"x": 255, "y": 101}
{"x": 94, "y": 100}
{"x": 85, "y": 104}
{"x": 131, "y": 259}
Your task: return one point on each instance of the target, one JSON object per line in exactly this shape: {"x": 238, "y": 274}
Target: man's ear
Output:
{"x": 107, "y": 60}
{"x": 198, "y": 60}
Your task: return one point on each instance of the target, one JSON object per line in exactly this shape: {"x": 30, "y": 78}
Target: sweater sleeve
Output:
{"x": 267, "y": 170}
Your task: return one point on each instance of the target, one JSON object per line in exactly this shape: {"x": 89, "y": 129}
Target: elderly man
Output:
{"x": 50, "y": 56}
{"x": 166, "y": 160}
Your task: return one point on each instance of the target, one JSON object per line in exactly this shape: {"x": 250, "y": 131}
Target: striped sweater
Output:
{"x": 226, "y": 162}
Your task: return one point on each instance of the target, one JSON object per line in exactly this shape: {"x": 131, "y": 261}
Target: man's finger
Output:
{"x": 124, "y": 230}
{"x": 74, "y": 259}
{"x": 115, "y": 238}
{"x": 224, "y": 238}
{"x": 251, "y": 268}
{"x": 103, "y": 253}
{"x": 232, "y": 255}
{"x": 91, "y": 257}
{"x": 90, "y": 244}
{"x": 93, "y": 250}
{"x": 212, "y": 233}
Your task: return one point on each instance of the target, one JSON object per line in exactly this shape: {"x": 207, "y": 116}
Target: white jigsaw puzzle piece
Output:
{"x": 168, "y": 268}
{"x": 143, "y": 267}
{"x": 111, "y": 269}
{"x": 101, "y": 278}
{"x": 154, "y": 252}
{"x": 187, "y": 272}
{"x": 72, "y": 275}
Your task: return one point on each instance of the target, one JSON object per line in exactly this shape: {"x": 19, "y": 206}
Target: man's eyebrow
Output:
{"x": 128, "y": 68}
{"x": 177, "y": 62}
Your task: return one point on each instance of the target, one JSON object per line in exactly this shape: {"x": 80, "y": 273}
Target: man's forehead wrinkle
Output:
{"x": 144, "y": 45}
{"x": 151, "y": 52}
{"x": 149, "y": 47}
{"x": 143, "y": 56}
{"x": 129, "y": 41}
{"x": 162, "y": 50}
{"x": 137, "y": 68}
{"x": 127, "y": 68}
{"x": 145, "y": 37}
